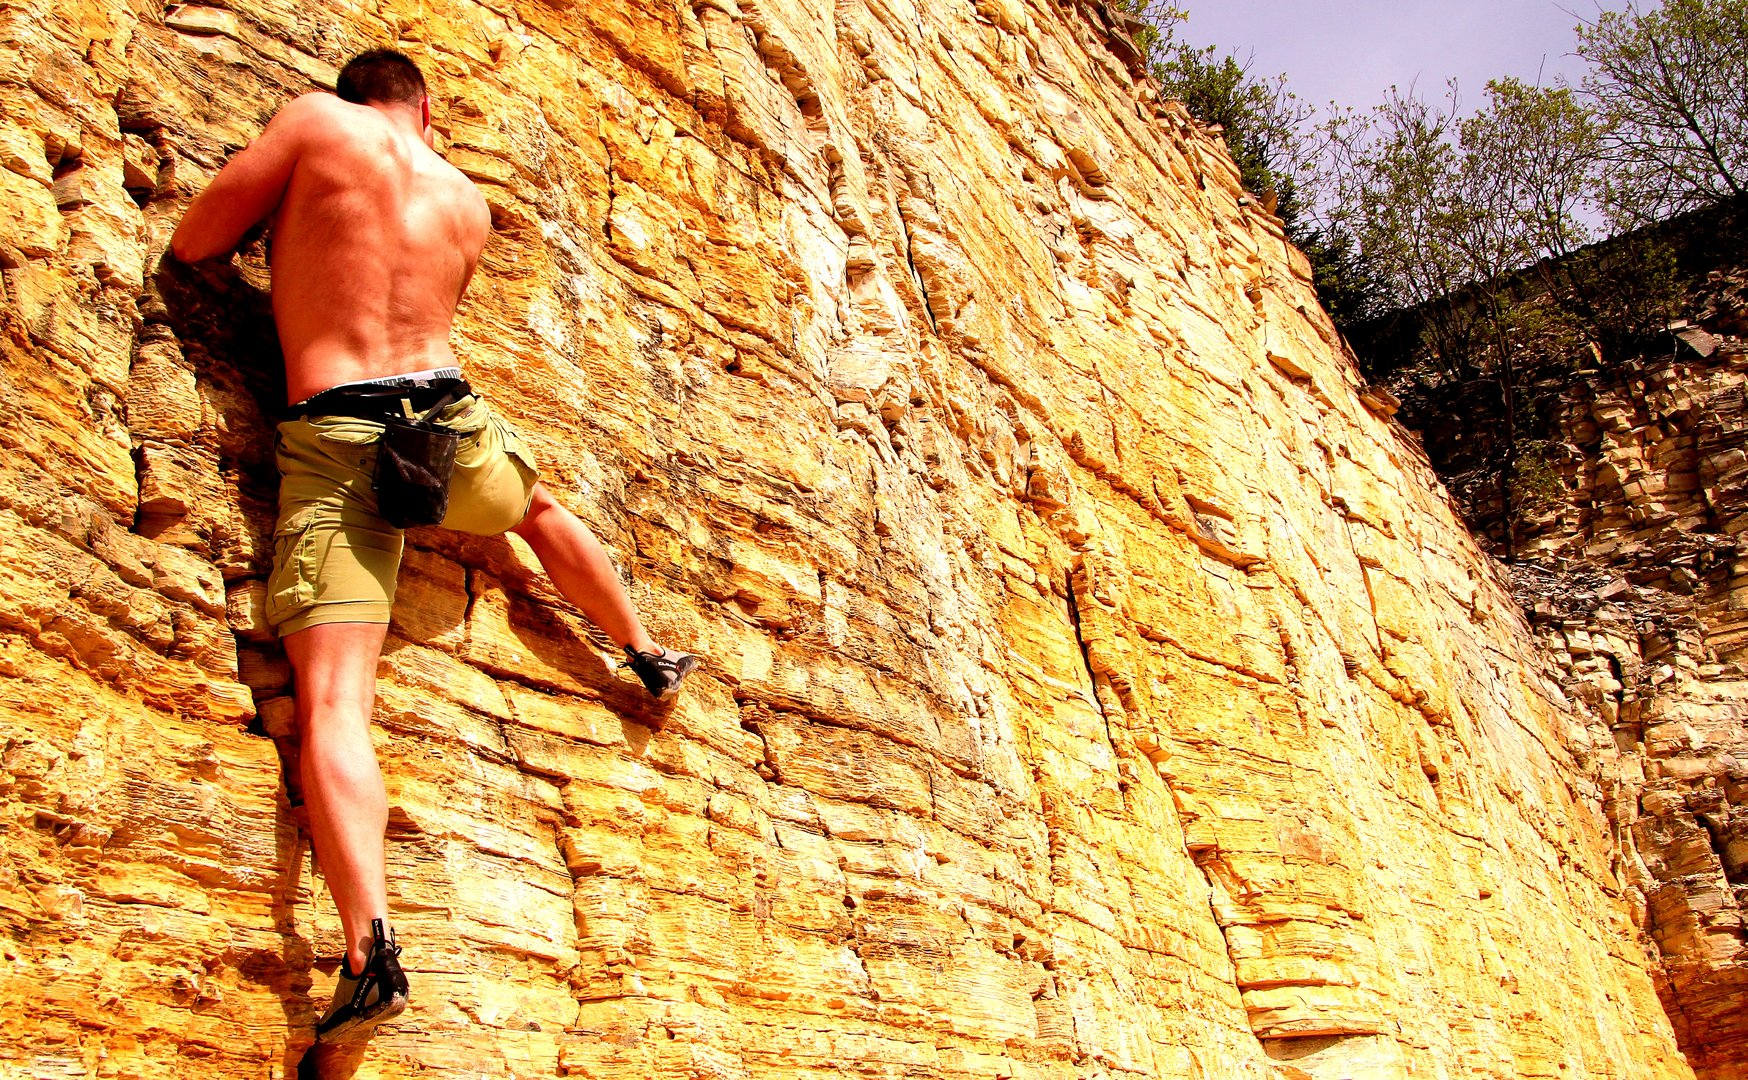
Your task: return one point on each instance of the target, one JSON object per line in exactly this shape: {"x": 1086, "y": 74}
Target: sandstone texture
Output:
{"x": 1098, "y": 686}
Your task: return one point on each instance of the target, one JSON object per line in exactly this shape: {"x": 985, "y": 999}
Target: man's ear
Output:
{"x": 425, "y": 111}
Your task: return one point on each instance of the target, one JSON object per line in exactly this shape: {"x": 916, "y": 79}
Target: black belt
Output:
{"x": 378, "y": 401}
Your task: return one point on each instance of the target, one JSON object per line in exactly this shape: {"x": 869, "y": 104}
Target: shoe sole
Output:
{"x": 362, "y": 1027}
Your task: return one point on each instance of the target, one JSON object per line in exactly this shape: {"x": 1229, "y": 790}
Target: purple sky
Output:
{"x": 1351, "y": 51}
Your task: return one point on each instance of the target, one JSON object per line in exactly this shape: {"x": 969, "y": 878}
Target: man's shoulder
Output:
{"x": 309, "y": 120}
{"x": 462, "y": 187}
{"x": 315, "y": 105}
{"x": 323, "y": 118}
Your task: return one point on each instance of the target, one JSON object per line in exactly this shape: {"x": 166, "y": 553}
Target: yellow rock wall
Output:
{"x": 1096, "y": 687}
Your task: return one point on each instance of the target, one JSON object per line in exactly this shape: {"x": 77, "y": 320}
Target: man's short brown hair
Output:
{"x": 380, "y": 75}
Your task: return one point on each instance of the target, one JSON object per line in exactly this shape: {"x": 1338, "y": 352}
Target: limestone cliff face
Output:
{"x": 1096, "y": 687}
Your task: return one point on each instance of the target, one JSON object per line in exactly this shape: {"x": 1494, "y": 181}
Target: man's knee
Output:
{"x": 334, "y": 673}
{"x": 540, "y": 506}
{"x": 318, "y": 713}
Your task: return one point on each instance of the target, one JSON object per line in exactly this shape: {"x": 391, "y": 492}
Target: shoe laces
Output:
{"x": 659, "y": 659}
{"x": 382, "y": 945}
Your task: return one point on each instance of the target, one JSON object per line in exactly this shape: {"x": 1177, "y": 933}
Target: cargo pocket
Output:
{"x": 514, "y": 446}
{"x": 291, "y": 586}
{"x": 351, "y": 442}
{"x": 465, "y": 417}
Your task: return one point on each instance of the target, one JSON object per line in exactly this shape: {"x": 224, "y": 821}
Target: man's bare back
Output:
{"x": 374, "y": 238}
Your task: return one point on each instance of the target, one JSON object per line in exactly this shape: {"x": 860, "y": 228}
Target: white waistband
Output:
{"x": 406, "y": 377}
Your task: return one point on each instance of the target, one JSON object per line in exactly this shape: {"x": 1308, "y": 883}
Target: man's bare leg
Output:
{"x": 580, "y": 569}
{"x": 335, "y": 666}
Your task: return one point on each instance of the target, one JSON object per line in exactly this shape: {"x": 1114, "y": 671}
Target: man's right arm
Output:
{"x": 250, "y": 185}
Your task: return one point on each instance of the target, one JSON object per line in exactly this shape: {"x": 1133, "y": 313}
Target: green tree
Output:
{"x": 1161, "y": 18}
{"x": 1447, "y": 210}
{"x": 1267, "y": 131}
{"x": 1348, "y": 286}
{"x": 1620, "y": 295}
{"x": 1669, "y": 85}
{"x": 1436, "y": 203}
{"x": 1516, "y": 195}
{"x": 1385, "y": 179}
{"x": 1455, "y": 239}
{"x": 1261, "y": 119}
{"x": 1526, "y": 174}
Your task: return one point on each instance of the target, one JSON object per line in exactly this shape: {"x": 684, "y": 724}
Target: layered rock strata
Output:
{"x": 1638, "y": 582}
{"x": 1096, "y": 687}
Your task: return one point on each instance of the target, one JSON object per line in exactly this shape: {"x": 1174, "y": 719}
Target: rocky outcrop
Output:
{"x": 1633, "y": 569}
{"x": 1097, "y": 687}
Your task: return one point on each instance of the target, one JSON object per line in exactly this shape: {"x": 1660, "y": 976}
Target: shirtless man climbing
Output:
{"x": 374, "y": 240}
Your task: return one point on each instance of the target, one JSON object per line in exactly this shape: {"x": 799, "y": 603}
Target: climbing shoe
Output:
{"x": 662, "y": 671}
{"x": 366, "y": 999}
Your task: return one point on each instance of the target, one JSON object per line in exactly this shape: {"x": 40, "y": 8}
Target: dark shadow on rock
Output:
{"x": 217, "y": 317}
{"x": 220, "y": 317}
{"x": 286, "y": 972}
{"x": 219, "y": 302}
{"x": 296, "y": 955}
{"x": 637, "y": 735}
{"x": 619, "y": 691}
{"x": 337, "y": 1062}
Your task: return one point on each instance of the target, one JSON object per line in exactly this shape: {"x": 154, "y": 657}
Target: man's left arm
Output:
{"x": 247, "y": 189}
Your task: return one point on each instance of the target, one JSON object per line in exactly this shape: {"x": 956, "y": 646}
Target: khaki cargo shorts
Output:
{"x": 334, "y": 559}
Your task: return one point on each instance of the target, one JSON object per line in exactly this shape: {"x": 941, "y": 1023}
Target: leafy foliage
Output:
{"x": 1622, "y": 296}
{"x": 1260, "y": 117}
{"x": 1350, "y": 287}
{"x": 1536, "y": 486}
{"x": 1436, "y": 203}
{"x": 1446, "y": 208}
{"x": 1668, "y": 86}
{"x": 1267, "y": 132}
